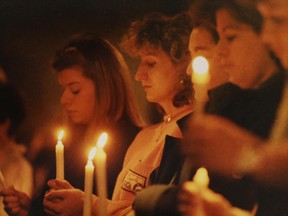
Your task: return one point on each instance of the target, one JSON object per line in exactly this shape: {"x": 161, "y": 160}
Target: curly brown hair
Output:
{"x": 171, "y": 34}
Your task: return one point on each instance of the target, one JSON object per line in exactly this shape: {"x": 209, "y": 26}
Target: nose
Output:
{"x": 267, "y": 33}
{"x": 65, "y": 98}
{"x": 141, "y": 73}
{"x": 221, "y": 49}
{"x": 221, "y": 52}
{"x": 189, "y": 69}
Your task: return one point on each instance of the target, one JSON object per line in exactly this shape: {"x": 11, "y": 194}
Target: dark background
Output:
{"x": 32, "y": 31}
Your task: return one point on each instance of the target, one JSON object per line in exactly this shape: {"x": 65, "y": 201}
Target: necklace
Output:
{"x": 167, "y": 119}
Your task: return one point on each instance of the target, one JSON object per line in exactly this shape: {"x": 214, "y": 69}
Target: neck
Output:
{"x": 269, "y": 70}
{"x": 177, "y": 112}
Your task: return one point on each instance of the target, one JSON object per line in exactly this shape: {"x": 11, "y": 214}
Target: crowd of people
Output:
{"x": 150, "y": 167}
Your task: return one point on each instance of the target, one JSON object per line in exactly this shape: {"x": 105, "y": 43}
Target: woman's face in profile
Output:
{"x": 78, "y": 96}
{"x": 202, "y": 43}
{"x": 243, "y": 55}
{"x": 158, "y": 74}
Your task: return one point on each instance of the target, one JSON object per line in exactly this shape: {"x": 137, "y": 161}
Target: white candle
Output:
{"x": 59, "y": 150}
{"x": 88, "y": 187}
{"x": 200, "y": 79}
{"x": 2, "y": 181}
{"x": 100, "y": 163}
{"x": 201, "y": 178}
{"x": 280, "y": 129}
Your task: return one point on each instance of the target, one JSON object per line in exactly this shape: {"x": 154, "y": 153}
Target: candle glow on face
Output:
{"x": 200, "y": 73}
{"x": 102, "y": 140}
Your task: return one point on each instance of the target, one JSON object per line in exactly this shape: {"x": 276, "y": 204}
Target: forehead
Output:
{"x": 275, "y": 3}
{"x": 200, "y": 37}
{"x": 151, "y": 51}
{"x": 273, "y": 7}
{"x": 226, "y": 21}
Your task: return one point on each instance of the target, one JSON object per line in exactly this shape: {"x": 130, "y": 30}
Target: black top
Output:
{"x": 254, "y": 110}
{"x": 75, "y": 159}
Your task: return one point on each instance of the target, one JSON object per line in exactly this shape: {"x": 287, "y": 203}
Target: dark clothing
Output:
{"x": 254, "y": 110}
{"x": 75, "y": 157}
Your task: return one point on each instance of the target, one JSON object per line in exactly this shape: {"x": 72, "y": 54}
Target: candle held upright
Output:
{"x": 101, "y": 176}
{"x": 59, "y": 150}
{"x": 88, "y": 187}
{"x": 200, "y": 79}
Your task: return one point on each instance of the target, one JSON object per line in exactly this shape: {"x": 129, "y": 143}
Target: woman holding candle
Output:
{"x": 256, "y": 80}
{"x": 161, "y": 42}
{"x": 97, "y": 96}
{"x": 238, "y": 100}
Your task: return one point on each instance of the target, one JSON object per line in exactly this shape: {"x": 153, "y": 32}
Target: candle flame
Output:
{"x": 61, "y": 134}
{"x": 201, "y": 177}
{"x": 92, "y": 153}
{"x": 102, "y": 140}
{"x": 200, "y": 67}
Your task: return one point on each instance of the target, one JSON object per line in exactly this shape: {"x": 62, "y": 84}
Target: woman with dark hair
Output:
{"x": 250, "y": 99}
{"x": 161, "y": 42}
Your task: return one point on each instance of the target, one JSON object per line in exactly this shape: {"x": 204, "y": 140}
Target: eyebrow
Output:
{"x": 230, "y": 27}
{"x": 73, "y": 83}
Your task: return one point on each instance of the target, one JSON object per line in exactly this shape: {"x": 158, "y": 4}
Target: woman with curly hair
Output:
{"x": 161, "y": 43}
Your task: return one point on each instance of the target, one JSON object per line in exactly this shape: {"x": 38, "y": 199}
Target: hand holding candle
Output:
{"x": 59, "y": 150}
{"x": 88, "y": 188}
{"x": 200, "y": 79}
{"x": 201, "y": 178}
{"x": 100, "y": 163}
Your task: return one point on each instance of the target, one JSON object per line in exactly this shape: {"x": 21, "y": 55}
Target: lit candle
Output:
{"x": 280, "y": 129}
{"x": 2, "y": 181}
{"x": 100, "y": 163}
{"x": 60, "y": 156}
{"x": 200, "y": 79}
{"x": 201, "y": 178}
{"x": 88, "y": 188}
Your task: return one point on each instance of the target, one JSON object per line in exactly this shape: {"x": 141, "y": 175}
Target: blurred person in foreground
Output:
{"x": 16, "y": 169}
{"x": 227, "y": 149}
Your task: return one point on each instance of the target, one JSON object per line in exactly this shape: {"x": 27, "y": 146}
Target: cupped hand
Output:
{"x": 64, "y": 202}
